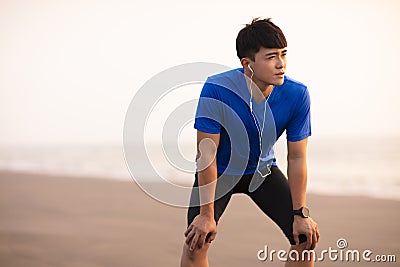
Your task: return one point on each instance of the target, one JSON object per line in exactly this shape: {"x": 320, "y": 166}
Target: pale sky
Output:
{"x": 69, "y": 69}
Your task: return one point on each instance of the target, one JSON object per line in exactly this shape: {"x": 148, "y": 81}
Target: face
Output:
{"x": 269, "y": 66}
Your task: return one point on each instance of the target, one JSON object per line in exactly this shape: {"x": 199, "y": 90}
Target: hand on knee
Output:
{"x": 300, "y": 254}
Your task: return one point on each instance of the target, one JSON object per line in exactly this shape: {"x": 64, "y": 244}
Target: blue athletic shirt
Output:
{"x": 223, "y": 108}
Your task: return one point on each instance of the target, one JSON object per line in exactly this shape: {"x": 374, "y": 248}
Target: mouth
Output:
{"x": 281, "y": 74}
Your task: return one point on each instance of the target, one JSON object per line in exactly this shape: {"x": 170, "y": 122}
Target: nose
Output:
{"x": 280, "y": 63}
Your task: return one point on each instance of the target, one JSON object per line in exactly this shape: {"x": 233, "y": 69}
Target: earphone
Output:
{"x": 257, "y": 126}
{"x": 248, "y": 65}
{"x": 251, "y": 91}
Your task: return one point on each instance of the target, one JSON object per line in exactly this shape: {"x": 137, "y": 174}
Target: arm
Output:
{"x": 297, "y": 172}
{"x": 297, "y": 175}
{"x": 203, "y": 226}
{"x": 207, "y": 145}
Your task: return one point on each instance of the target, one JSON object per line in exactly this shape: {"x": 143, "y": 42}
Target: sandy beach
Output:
{"x": 63, "y": 221}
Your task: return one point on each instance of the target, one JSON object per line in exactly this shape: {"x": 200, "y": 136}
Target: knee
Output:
{"x": 300, "y": 253}
{"x": 300, "y": 247}
{"x": 196, "y": 254}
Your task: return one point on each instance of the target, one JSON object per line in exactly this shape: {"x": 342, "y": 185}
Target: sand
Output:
{"x": 63, "y": 221}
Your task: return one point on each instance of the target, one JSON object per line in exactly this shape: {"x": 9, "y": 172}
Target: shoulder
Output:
{"x": 226, "y": 76}
{"x": 293, "y": 86}
{"x": 224, "y": 83}
{"x": 294, "y": 91}
{"x": 293, "y": 94}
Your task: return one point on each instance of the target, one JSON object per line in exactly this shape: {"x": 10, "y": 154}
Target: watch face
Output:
{"x": 306, "y": 212}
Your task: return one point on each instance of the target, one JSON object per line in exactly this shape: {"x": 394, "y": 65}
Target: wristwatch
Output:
{"x": 303, "y": 212}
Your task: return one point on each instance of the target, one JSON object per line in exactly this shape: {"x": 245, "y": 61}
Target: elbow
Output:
{"x": 296, "y": 157}
{"x": 206, "y": 154}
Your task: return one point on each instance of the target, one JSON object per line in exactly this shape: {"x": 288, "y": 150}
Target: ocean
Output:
{"x": 357, "y": 166}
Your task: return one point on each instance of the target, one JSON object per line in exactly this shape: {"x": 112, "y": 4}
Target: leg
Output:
{"x": 274, "y": 199}
{"x": 301, "y": 262}
{"x": 199, "y": 257}
{"x": 196, "y": 258}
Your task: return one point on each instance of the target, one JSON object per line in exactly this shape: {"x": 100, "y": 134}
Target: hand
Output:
{"x": 307, "y": 227}
{"x": 202, "y": 229}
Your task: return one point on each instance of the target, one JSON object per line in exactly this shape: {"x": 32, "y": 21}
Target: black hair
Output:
{"x": 259, "y": 33}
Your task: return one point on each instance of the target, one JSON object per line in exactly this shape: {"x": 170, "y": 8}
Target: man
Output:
{"x": 240, "y": 115}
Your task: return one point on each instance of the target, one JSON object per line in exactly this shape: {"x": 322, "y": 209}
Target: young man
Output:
{"x": 240, "y": 115}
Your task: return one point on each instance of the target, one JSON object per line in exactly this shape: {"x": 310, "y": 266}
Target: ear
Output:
{"x": 245, "y": 62}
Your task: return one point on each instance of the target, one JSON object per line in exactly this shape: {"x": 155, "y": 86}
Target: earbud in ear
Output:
{"x": 250, "y": 68}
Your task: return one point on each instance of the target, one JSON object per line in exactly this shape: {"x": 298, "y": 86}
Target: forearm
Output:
{"x": 207, "y": 145}
{"x": 207, "y": 184}
{"x": 297, "y": 175}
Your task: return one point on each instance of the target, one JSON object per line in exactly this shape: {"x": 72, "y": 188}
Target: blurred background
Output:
{"x": 70, "y": 69}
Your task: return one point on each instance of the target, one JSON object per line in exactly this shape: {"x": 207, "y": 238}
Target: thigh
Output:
{"x": 274, "y": 199}
{"x": 220, "y": 203}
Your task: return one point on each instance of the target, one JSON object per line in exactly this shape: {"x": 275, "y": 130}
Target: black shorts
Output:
{"x": 272, "y": 197}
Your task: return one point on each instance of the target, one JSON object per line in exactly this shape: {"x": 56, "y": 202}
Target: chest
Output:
{"x": 275, "y": 115}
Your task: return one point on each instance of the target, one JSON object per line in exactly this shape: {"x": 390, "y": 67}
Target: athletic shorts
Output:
{"x": 272, "y": 197}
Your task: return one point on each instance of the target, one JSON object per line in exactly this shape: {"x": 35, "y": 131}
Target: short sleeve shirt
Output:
{"x": 248, "y": 135}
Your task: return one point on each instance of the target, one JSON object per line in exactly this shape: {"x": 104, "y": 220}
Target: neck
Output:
{"x": 260, "y": 90}
{"x": 267, "y": 90}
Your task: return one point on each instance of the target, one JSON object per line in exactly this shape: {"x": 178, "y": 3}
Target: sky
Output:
{"x": 69, "y": 69}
